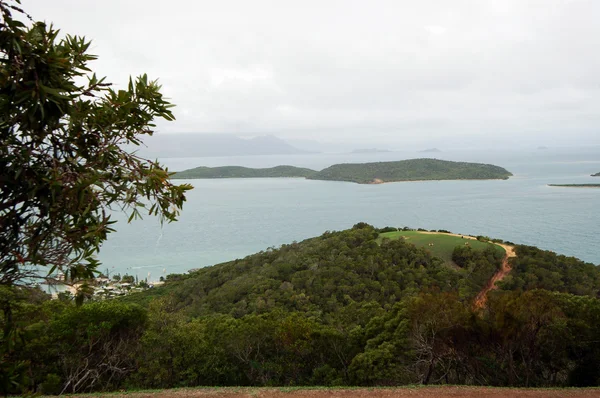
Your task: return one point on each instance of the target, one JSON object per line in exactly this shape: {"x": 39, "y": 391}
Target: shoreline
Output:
{"x": 574, "y": 185}
{"x": 376, "y": 181}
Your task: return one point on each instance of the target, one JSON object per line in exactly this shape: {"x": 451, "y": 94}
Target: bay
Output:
{"x": 225, "y": 219}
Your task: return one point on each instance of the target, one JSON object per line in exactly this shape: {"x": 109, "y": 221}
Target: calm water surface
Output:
{"x": 231, "y": 218}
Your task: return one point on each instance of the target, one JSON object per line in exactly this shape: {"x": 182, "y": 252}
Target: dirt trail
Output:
{"x": 408, "y": 391}
{"x": 481, "y": 298}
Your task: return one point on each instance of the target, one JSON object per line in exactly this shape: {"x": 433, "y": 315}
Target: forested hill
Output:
{"x": 345, "y": 308}
{"x": 411, "y": 170}
{"x": 323, "y": 274}
{"x": 363, "y": 173}
{"x": 243, "y": 172}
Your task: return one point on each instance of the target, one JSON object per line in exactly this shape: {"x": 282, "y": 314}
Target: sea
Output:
{"x": 226, "y": 219}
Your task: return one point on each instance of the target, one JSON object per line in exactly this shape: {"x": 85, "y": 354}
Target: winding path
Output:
{"x": 481, "y": 298}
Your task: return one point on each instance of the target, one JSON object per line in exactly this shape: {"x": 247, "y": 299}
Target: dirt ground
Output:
{"x": 413, "y": 392}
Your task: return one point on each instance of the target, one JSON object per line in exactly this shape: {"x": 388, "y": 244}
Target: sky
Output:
{"x": 486, "y": 72}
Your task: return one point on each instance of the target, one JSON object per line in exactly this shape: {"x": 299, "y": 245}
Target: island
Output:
{"x": 430, "y": 150}
{"x": 243, "y": 172}
{"x": 410, "y": 170}
{"x": 596, "y": 175}
{"x": 575, "y": 185}
{"x": 370, "y": 150}
{"x": 361, "y": 173}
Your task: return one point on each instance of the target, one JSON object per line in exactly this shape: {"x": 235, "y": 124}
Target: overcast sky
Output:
{"x": 356, "y": 71}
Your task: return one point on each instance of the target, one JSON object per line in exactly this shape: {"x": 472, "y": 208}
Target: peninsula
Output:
{"x": 411, "y": 170}
{"x": 392, "y": 289}
{"x": 243, "y": 172}
{"x": 575, "y": 185}
{"x": 596, "y": 175}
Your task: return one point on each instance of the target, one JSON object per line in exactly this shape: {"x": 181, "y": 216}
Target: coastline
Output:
{"x": 375, "y": 181}
{"x": 574, "y": 185}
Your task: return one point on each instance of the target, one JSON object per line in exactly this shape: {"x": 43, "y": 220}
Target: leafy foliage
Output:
{"x": 534, "y": 268}
{"x": 345, "y": 308}
{"x": 63, "y": 166}
{"x": 318, "y": 275}
{"x": 63, "y": 171}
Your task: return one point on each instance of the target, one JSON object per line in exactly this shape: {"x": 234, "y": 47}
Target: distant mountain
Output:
{"x": 370, "y": 150}
{"x": 206, "y": 145}
{"x": 430, "y": 150}
{"x": 542, "y": 148}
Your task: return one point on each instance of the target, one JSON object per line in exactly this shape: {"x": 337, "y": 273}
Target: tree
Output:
{"x": 63, "y": 165}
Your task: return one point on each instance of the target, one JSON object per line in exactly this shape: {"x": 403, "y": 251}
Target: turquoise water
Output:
{"x": 231, "y": 218}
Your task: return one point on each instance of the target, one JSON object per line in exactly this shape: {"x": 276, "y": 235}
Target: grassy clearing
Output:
{"x": 443, "y": 244}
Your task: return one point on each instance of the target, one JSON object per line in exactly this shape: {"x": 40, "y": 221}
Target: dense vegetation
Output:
{"x": 64, "y": 168}
{"x": 244, "y": 172}
{"x": 363, "y": 173}
{"x": 575, "y": 185}
{"x": 344, "y": 308}
{"x": 411, "y": 170}
{"x": 440, "y": 245}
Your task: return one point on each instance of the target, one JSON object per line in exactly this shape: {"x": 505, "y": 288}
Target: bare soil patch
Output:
{"x": 481, "y": 299}
{"x": 413, "y": 392}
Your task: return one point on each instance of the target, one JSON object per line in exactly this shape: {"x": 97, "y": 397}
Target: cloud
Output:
{"x": 435, "y": 29}
{"x": 338, "y": 69}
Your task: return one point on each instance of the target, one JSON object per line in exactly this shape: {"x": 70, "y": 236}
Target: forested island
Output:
{"x": 411, "y": 170}
{"x": 575, "y": 185}
{"x": 596, "y": 175}
{"x": 363, "y": 173}
{"x": 243, "y": 172}
{"x": 360, "y": 307}
{"x": 370, "y": 150}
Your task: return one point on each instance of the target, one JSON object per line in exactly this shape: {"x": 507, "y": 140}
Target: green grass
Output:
{"x": 443, "y": 244}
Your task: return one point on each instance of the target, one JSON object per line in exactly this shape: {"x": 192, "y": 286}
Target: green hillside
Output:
{"x": 344, "y": 308}
{"x": 243, "y": 172}
{"x": 439, "y": 245}
{"x": 410, "y": 170}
